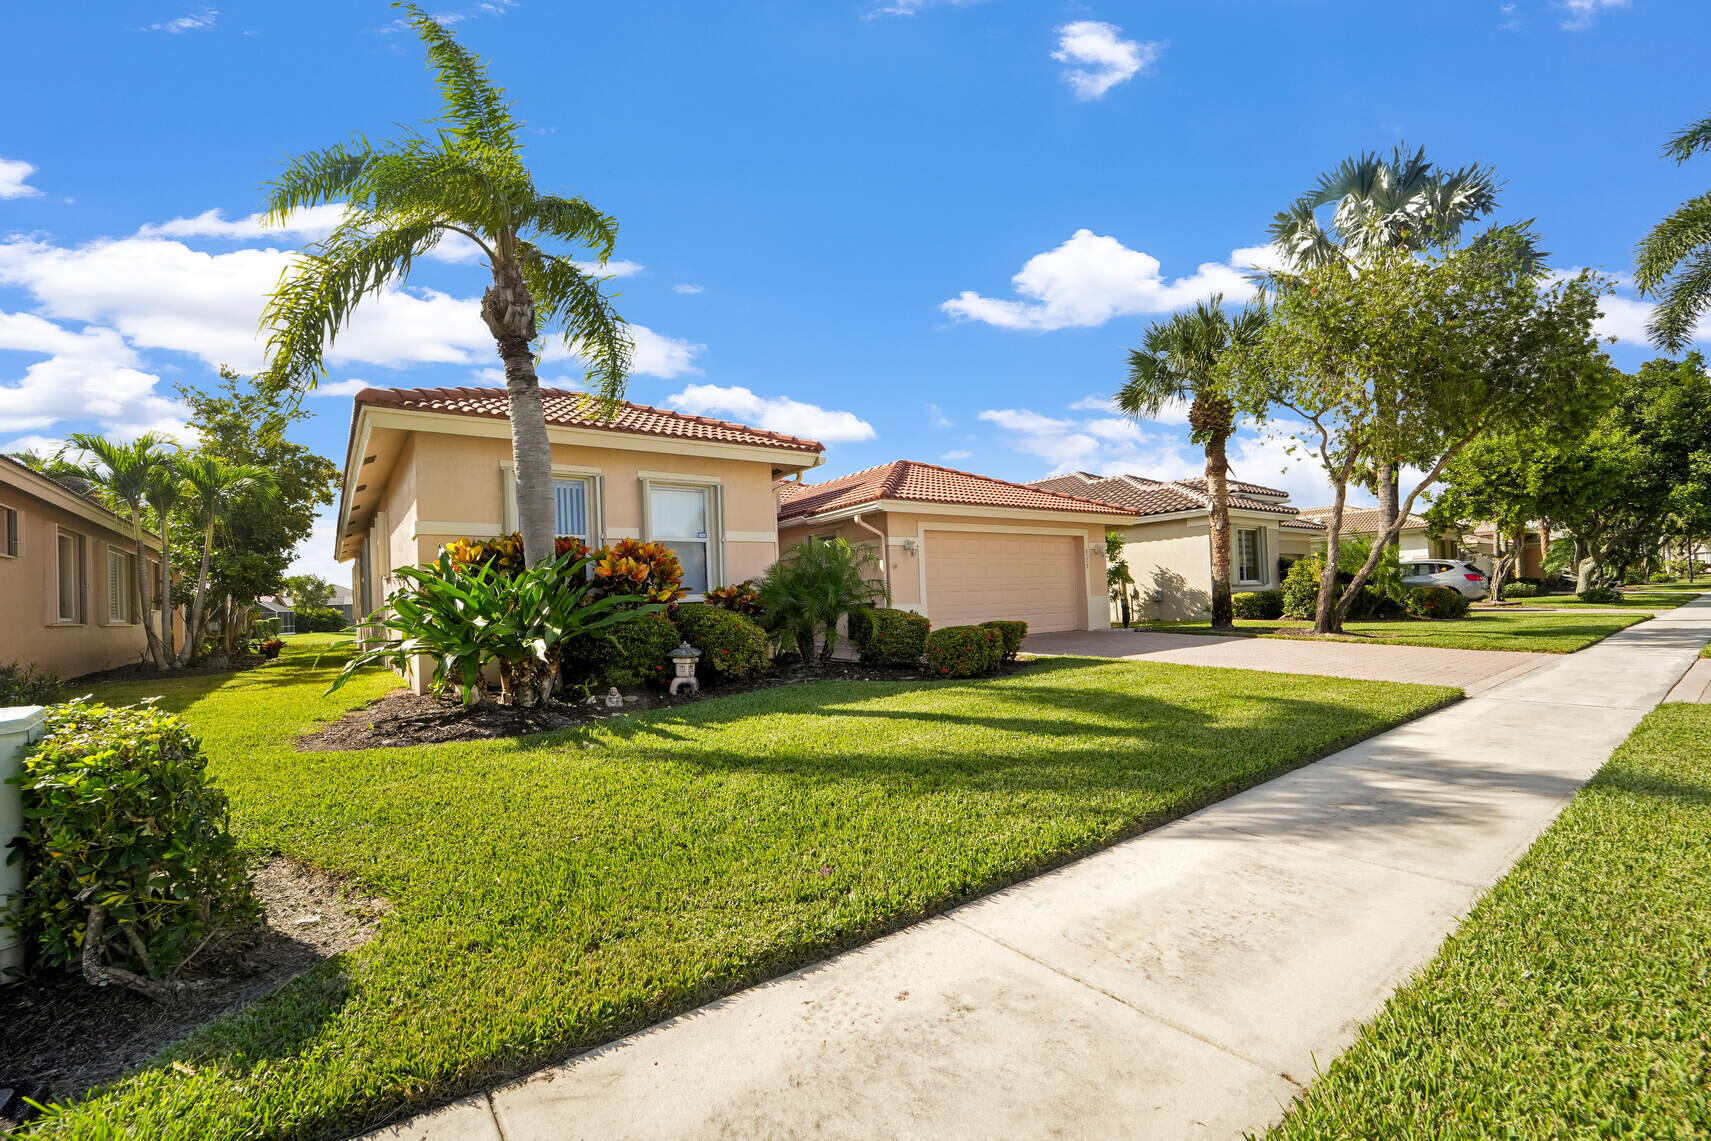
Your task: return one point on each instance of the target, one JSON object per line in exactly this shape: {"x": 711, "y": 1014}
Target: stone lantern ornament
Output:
{"x": 683, "y": 660}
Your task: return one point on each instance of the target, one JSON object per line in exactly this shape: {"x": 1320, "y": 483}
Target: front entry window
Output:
{"x": 678, "y": 517}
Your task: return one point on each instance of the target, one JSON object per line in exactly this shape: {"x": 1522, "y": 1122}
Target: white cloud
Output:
{"x": 14, "y": 178}
{"x": 353, "y": 386}
{"x": 41, "y": 445}
{"x": 938, "y": 417}
{"x": 315, "y": 554}
{"x": 911, "y": 7}
{"x": 957, "y": 455}
{"x": 1092, "y": 278}
{"x": 774, "y": 413}
{"x": 193, "y": 22}
{"x": 1582, "y": 12}
{"x": 312, "y": 222}
{"x": 687, "y": 287}
{"x": 1101, "y": 60}
{"x": 1511, "y": 20}
{"x": 122, "y": 400}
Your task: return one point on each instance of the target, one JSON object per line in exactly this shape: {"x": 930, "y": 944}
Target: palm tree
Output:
{"x": 164, "y": 493}
{"x": 465, "y": 178}
{"x": 1178, "y": 360}
{"x": 212, "y": 486}
{"x": 1674, "y": 260}
{"x": 1400, "y": 202}
{"x": 123, "y": 475}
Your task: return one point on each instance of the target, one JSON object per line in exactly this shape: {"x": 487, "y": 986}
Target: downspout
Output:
{"x": 884, "y": 552}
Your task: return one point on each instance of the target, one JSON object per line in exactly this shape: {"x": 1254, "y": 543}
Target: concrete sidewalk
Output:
{"x": 1186, "y": 983}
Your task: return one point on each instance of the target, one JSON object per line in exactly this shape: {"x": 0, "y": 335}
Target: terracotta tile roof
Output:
{"x": 1359, "y": 520}
{"x": 1152, "y": 496}
{"x": 929, "y": 483}
{"x": 579, "y": 410}
{"x": 1198, "y": 483}
{"x": 1299, "y": 524}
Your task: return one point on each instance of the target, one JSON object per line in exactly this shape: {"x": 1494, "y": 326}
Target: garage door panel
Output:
{"x": 979, "y": 576}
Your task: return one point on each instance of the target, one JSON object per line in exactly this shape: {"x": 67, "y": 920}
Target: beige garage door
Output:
{"x": 975, "y": 576}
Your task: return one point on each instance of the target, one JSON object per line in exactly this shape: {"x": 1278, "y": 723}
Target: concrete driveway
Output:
{"x": 1475, "y": 671}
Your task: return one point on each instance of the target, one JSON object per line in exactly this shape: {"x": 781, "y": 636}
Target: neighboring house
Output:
{"x": 1416, "y": 541}
{"x": 343, "y": 601}
{"x": 425, "y": 466}
{"x": 269, "y": 606}
{"x": 963, "y": 548}
{"x": 1169, "y": 544}
{"x": 67, "y": 567}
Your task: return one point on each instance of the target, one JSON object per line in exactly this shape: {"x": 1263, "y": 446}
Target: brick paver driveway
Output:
{"x": 1475, "y": 671}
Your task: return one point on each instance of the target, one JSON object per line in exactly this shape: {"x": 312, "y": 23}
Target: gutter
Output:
{"x": 884, "y": 551}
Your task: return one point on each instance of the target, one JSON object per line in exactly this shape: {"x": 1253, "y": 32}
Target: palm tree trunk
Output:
{"x": 509, "y": 312}
{"x": 194, "y": 631}
{"x": 168, "y": 655}
{"x": 1389, "y": 495}
{"x": 1218, "y": 484}
{"x": 140, "y": 596}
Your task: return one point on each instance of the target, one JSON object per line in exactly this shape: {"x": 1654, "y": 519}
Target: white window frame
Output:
{"x": 122, "y": 582}
{"x": 80, "y": 552}
{"x": 1259, "y": 556}
{"x": 11, "y": 532}
{"x": 715, "y": 540}
{"x": 596, "y": 499}
{"x": 591, "y": 506}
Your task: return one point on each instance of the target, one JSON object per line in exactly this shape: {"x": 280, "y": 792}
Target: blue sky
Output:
{"x": 912, "y": 229}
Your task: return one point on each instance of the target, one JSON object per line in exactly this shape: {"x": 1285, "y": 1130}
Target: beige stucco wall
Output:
{"x": 30, "y": 629}
{"x": 1171, "y": 560}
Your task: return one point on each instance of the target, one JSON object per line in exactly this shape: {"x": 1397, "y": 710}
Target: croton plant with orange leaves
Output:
{"x": 648, "y": 571}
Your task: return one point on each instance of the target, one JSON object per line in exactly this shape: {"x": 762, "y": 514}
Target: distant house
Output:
{"x": 1169, "y": 544}
{"x": 270, "y": 606}
{"x": 1478, "y": 545}
{"x": 67, "y": 571}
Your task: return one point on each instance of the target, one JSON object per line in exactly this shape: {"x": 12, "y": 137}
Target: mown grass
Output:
{"x": 1664, "y": 596}
{"x": 1572, "y": 1002}
{"x": 551, "y": 893}
{"x": 1515, "y": 631}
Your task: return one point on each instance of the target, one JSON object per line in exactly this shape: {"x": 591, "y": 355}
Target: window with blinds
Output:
{"x": 9, "y": 538}
{"x": 570, "y": 508}
{"x": 1250, "y": 555}
{"x": 118, "y": 586}
{"x": 70, "y": 572}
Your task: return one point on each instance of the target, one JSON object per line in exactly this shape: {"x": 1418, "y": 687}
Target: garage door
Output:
{"x": 976, "y": 577}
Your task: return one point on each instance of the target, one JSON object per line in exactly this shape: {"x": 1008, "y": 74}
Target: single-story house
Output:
{"x": 425, "y": 466}
{"x": 284, "y": 607}
{"x": 1416, "y": 540}
{"x": 963, "y": 548}
{"x": 67, "y": 571}
{"x": 1168, "y": 544}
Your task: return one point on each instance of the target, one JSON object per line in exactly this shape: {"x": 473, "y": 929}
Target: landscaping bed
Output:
{"x": 142, "y": 671}
{"x": 63, "y": 1036}
{"x": 1571, "y": 1002}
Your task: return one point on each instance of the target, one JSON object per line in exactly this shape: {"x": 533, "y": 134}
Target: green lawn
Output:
{"x": 1572, "y": 1002}
{"x": 1534, "y": 630}
{"x": 554, "y": 892}
{"x": 1637, "y": 598}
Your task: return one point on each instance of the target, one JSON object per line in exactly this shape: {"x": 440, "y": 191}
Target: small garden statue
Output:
{"x": 614, "y": 699}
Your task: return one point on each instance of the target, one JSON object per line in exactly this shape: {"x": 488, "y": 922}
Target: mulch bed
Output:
{"x": 402, "y": 718}
{"x": 63, "y": 1036}
{"x": 144, "y": 671}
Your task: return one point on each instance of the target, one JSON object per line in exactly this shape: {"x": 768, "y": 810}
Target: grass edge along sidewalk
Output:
{"x": 1571, "y": 1001}
{"x": 1546, "y": 632}
{"x": 555, "y": 892}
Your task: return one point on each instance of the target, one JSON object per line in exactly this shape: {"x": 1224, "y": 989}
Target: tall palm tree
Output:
{"x": 1673, "y": 262}
{"x": 1398, "y": 202}
{"x": 1178, "y": 360}
{"x": 123, "y": 475}
{"x": 211, "y": 487}
{"x": 465, "y": 178}
{"x": 163, "y": 494}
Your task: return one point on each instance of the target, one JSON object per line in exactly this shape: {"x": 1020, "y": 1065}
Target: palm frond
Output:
{"x": 571, "y": 300}
{"x": 1686, "y": 298}
{"x": 1671, "y": 241}
{"x": 1689, "y": 141}
{"x": 572, "y": 220}
{"x": 473, "y": 103}
{"x": 318, "y": 178}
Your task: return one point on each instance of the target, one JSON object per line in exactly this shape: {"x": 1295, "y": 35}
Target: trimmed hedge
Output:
{"x": 1258, "y": 605}
{"x": 964, "y": 651}
{"x": 626, "y": 655}
{"x": 1300, "y": 590}
{"x": 1520, "y": 590}
{"x": 1605, "y": 594}
{"x": 320, "y": 620}
{"x": 1436, "y": 602}
{"x": 1660, "y": 576}
{"x": 1010, "y": 633}
{"x": 890, "y": 637}
{"x": 732, "y": 647}
{"x": 122, "y": 825}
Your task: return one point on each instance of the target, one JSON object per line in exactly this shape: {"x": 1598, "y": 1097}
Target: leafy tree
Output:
{"x": 1673, "y": 262}
{"x": 1415, "y": 357}
{"x": 308, "y": 591}
{"x": 466, "y": 177}
{"x": 1119, "y": 579}
{"x": 1179, "y": 359}
{"x": 1372, "y": 205}
{"x": 212, "y": 488}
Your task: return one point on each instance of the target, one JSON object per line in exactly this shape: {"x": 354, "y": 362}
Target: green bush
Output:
{"x": 24, "y": 684}
{"x": 1300, "y": 590}
{"x": 964, "y": 651}
{"x": 318, "y": 620}
{"x": 1010, "y": 633}
{"x": 1660, "y": 576}
{"x": 1605, "y": 594}
{"x": 888, "y": 637}
{"x": 1258, "y": 605}
{"x": 625, "y": 655}
{"x": 732, "y": 647}
{"x": 123, "y": 830}
{"x": 263, "y": 628}
{"x": 1436, "y": 602}
{"x": 1520, "y": 590}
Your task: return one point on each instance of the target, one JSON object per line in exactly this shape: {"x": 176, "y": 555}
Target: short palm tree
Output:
{"x": 122, "y": 475}
{"x": 211, "y": 486}
{"x": 815, "y": 585}
{"x": 1178, "y": 360}
{"x": 1673, "y": 262}
{"x": 466, "y": 179}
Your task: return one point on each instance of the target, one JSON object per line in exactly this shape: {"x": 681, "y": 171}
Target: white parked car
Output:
{"x": 1464, "y": 577}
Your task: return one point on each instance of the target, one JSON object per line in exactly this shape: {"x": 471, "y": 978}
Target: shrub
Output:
{"x": 1520, "y": 590}
{"x": 1258, "y": 605}
{"x": 625, "y": 655}
{"x": 320, "y": 619}
{"x": 1010, "y": 635}
{"x": 732, "y": 646}
{"x": 270, "y": 647}
{"x": 1660, "y": 576}
{"x": 1374, "y": 602}
{"x": 1605, "y": 594}
{"x": 1436, "y": 602}
{"x": 647, "y": 572}
{"x": 742, "y": 599}
{"x": 126, "y": 845}
{"x": 1300, "y": 588}
{"x": 260, "y": 628}
{"x": 813, "y": 586}
{"x": 964, "y": 651}
{"x": 26, "y": 685}
{"x": 888, "y": 637}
